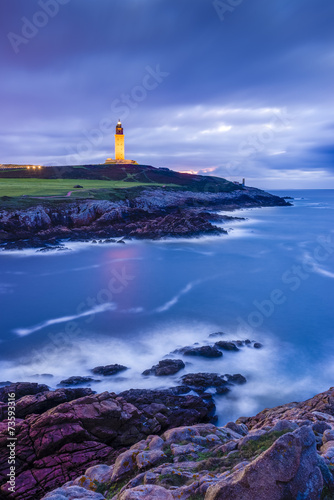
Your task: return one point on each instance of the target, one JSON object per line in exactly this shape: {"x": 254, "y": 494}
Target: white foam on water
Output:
{"x": 21, "y": 332}
{"x": 138, "y": 353}
{"x": 174, "y": 300}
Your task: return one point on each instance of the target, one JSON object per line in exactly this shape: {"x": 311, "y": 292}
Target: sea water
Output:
{"x": 271, "y": 279}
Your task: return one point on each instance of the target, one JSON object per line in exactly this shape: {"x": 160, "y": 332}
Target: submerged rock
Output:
{"x": 236, "y": 379}
{"x": 108, "y": 370}
{"x": 226, "y": 346}
{"x": 166, "y": 367}
{"x": 217, "y": 334}
{"x": 77, "y": 380}
{"x": 258, "y": 345}
{"x": 206, "y": 351}
{"x": 200, "y": 382}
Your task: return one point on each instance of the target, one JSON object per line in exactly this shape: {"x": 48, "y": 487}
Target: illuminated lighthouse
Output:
{"x": 119, "y": 147}
{"x": 119, "y": 142}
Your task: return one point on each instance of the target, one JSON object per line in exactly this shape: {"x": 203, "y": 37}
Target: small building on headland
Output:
{"x": 119, "y": 147}
{"x": 240, "y": 183}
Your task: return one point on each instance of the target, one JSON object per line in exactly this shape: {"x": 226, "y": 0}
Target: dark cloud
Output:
{"x": 227, "y": 80}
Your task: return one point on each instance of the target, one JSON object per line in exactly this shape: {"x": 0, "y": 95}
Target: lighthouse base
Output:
{"x": 112, "y": 161}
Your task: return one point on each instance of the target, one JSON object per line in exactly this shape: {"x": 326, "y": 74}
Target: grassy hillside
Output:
{"x": 22, "y": 187}
{"x": 63, "y": 187}
{"x": 141, "y": 174}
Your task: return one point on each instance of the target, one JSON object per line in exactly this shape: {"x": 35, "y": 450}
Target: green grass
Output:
{"x": 262, "y": 444}
{"x": 115, "y": 488}
{"x": 172, "y": 480}
{"x": 96, "y": 189}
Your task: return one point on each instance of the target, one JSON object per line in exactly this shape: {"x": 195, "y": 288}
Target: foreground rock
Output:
{"x": 44, "y": 400}
{"x": 105, "y": 446}
{"x": 56, "y": 442}
{"x": 166, "y": 367}
{"x": 212, "y": 463}
{"x": 271, "y": 457}
{"x": 319, "y": 408}
{"x": 21, "y": 389}
{"x": 290, "y": 468}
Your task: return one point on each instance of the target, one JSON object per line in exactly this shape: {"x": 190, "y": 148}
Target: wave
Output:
{"x": 176, "y": 298}
{"x": 6, "y": 288}
{"x": 21, "y": 332}
{"x": 316, "y": 267}
{"x": 323, "y": 272}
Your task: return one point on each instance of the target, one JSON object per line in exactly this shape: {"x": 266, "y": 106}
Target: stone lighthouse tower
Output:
{"x": 119, "y": 142}
{"x": 119, "y": 148}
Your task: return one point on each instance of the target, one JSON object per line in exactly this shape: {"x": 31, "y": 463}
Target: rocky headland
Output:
{"x": 143, "y": 444}
{"x": 151, "y": 213}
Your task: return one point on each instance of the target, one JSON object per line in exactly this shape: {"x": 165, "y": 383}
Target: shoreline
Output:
{"x": 154, "y": 214}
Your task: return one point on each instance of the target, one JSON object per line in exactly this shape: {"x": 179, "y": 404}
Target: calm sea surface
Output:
{"x": 271, "y": 280}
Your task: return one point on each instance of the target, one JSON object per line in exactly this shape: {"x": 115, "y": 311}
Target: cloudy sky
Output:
{"x": 235, "y": 88}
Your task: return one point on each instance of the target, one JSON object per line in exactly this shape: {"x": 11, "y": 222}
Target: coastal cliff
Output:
{"x": 147, "y": 213}
{"x": 158, "y": 445}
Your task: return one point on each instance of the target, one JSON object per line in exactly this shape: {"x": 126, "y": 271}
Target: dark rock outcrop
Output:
{"x": 108, "y": 370}
{"x": 45, "y": 400}
{"x": 226, "y": 346}
{"x": 77, "y": 380}
{"x": 206, "y": 351}
{"x": 257, "y": 345}
{"x": 21, "y": 389}
{"x": 171, "y": 410}
{"x": 165, "y": 367}
{"x": 236, "y": 379}
{"x": 200, "y": 382}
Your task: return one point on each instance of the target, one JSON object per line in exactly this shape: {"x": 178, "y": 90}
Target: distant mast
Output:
{"x": 119, "y": 142}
